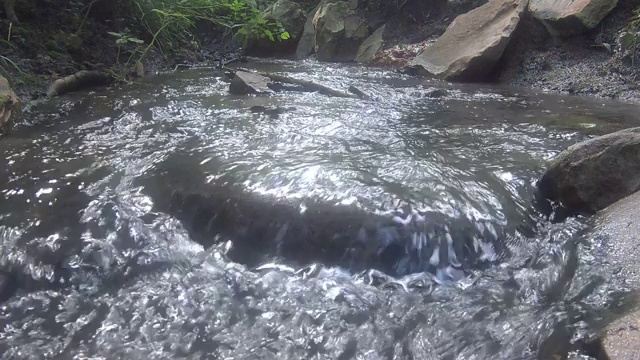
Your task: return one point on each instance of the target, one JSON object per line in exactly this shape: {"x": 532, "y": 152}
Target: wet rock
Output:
{"x": 10, "y": 108}
{"x": 570, "y": 17}
{"x": 473, "y": 43}
{"x": 244, "y": 83}
{"x": 359, "y": 93}
{"x": 591, "y": 175}
{"x": 271, "y": 112}
{"x": 436, "y": 93}
{"x": 340, "y": 31}
{"x": 371, "y": 46}
{"x": 618, "y": 227}
{"x": 293, "y": 20}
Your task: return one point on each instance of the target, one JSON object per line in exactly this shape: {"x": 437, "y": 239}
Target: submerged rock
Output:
{"x": 340, "y": 31}
{"x": 473, "y": 43}
{"x": 591, "y": 175}
{"x": 570, "y": 17}
{"x": 6, "y": 286}
{"x": 10, "y": 108}
{"x": 398, "y": 242}
{"x": 293, "y": 20}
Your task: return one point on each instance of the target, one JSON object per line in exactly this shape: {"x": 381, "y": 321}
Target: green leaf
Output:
{"x": 269, "y": 34}
{"x": 627, "y": 41}
{"x": 285, "y": 36}
{"x": 114, "y": 34}
{"x": 136, "y": 40}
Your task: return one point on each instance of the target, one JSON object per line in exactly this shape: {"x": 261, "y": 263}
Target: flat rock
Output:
{"x": 619, "y": 226}
{"x": 591, "y": 175}
{"x": 570, "y": 17}
{"x": 245, "y": 83}
{"x": 473, "y": 43}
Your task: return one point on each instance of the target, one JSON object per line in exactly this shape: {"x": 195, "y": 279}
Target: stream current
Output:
{"x": 167, "y": 220}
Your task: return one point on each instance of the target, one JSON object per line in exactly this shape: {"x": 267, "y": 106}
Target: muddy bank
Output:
{"x": 577, "y": 65}
{"x": 51, "y": 42}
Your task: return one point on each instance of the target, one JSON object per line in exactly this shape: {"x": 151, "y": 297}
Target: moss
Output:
{"x": 4, "y": 99}
{"x": 52, "y": 45}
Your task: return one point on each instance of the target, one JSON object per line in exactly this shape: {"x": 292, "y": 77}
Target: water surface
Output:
{"x": 99, "y": 260}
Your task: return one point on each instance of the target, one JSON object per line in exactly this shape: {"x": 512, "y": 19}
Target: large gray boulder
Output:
{"x": 473, "y": 43}
{"x": 591, "y": 175}
{"x": 307, "y": 43}
{"x": 292, "y": 18}
{"x": 10, "y": 108}
{"x": 570, "y": 17}
{"x": 370, "y": 47}
{"x": 618, "y": 228}
{"x": 340, "y": 31}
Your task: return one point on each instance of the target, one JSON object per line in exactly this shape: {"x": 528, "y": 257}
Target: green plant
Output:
{"x": 169, "y": 22}
{"x": 126, "y": 44}
{"x": 629, "y": 41}
{"x": 251, "y": 21}
{"x": 167, "y": 25}
{"x": 6, "y": 60}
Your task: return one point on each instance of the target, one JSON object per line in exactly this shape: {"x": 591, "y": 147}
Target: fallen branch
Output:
{"x": 359, "y": 93}
{"x": 80, "y": 80}
{"x": 309, "y": 85}
{"x": 305, "y": 84}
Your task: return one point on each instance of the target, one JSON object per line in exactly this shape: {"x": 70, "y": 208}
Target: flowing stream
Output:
{"x": 166, "y": 220}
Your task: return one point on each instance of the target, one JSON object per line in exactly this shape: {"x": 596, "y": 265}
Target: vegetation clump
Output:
{"x": 50, "y": 39}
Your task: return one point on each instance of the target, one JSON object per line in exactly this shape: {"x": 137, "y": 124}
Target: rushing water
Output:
{"x": 166, "y": 220}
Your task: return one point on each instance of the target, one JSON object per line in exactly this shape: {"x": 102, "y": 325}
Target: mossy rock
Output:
{"x": 10, "y": 109}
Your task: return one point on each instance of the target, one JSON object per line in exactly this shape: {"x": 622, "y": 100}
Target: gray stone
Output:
{"x": 244, "y": 83}
{"x": 10, "y": 108}
{"x": 591, "y": 175}
{"x": 371, "y": 46}
{"x": 473, "y": 43}
{"x": 307, "y": 43}
{"x": 570, "y": 17}
{"x": 618, "y": 226}
{"x": 339, "y": 32}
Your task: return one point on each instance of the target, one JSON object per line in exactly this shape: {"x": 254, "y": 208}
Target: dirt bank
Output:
{"x": 54, "y": 40}
{"x": 577, "y": 65}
